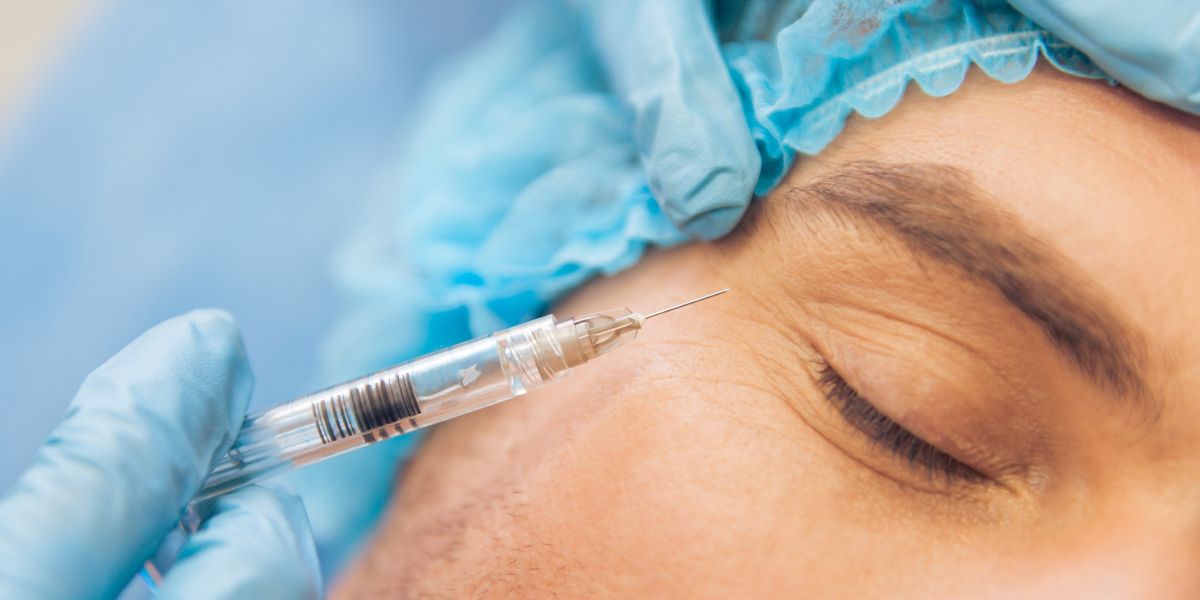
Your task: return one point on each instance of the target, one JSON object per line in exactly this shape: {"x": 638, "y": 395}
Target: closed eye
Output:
{"x": 883, "y": 431}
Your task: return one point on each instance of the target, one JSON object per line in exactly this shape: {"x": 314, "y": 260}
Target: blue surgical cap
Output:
{"x": 522, "y": 180}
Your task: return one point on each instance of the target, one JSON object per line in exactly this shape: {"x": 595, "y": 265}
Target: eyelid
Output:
{"x": 883, "y": 431}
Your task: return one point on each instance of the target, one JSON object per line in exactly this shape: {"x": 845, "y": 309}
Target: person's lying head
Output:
{"x": 958, "y": 359}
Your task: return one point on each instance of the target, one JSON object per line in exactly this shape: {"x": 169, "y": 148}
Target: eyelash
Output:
{"x": 885, "y": 432}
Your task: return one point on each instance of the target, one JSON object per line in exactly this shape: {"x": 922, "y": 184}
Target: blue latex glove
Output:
{"x": 1152, "y": 47}
{"x": 114, "y": 476}
{"x": 664, "y": 61}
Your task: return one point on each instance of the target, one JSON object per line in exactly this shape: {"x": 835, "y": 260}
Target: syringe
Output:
{"x": 419, "y": 393}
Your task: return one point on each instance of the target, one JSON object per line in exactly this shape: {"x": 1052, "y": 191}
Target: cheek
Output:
{"x": 716, "y": 490}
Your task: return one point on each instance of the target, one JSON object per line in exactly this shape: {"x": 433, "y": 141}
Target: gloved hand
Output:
{"x": 114, "y": 476}
{"x": 664, "y": 61}
{"x": 1151, "y": 47}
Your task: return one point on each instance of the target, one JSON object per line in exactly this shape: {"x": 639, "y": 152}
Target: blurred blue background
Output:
{"x": 180, "y": 155}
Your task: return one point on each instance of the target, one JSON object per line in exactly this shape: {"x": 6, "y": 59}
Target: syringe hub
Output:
{"x": 584, "y": 338}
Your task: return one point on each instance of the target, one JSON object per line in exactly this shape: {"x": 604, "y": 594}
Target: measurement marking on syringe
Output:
{"x": 366, "y": 409}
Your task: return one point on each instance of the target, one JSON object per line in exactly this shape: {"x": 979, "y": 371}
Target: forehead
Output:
{"x": 1104, "y": 176}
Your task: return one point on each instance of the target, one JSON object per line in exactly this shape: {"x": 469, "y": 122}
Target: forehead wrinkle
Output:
{"x": 938, "y": 211}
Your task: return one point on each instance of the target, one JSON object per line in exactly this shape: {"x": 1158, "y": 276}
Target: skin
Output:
{"x": 705, "y": 460}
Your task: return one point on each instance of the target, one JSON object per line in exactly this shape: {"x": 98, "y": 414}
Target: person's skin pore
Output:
{"x": 959, "y": 359}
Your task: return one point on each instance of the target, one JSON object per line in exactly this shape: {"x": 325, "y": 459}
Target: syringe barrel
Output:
{"x": 415, "y": 394}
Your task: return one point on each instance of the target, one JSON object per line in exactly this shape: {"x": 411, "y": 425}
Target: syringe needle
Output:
{"x": 689, "y": 302}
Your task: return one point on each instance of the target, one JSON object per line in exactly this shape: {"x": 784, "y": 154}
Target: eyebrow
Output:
{"x": 938, "y": 211}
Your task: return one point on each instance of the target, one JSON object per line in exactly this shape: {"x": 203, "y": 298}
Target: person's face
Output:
{"x": 959, "y": 358}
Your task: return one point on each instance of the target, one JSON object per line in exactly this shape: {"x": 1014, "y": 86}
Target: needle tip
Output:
{"x": 689, "y": 302}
